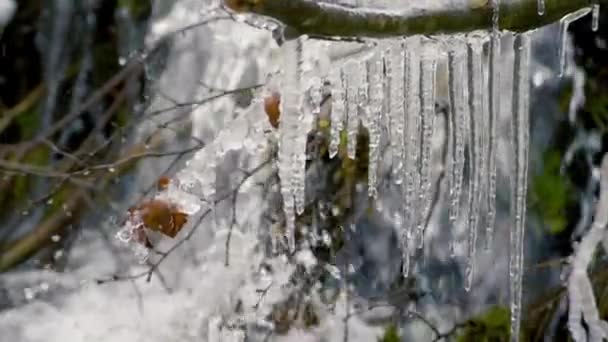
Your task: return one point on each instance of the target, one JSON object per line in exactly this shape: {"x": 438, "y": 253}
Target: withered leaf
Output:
{"x": 163, "y": 217}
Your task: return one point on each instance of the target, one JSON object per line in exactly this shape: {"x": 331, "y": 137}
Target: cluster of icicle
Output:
{"x": 391, "y": 87}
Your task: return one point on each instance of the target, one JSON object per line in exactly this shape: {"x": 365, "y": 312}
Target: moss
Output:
{"x": 21, "y": 183}
{"x": 106, "y": 61}
{"x": 57, "y": 200}
{"x": 28, "y": 124}
{"x": 323, "y": 124}
{"x": 391, "y": 334}
{"x": 122, "y": 118}
{"x": 309, "y": 316}
{"x": 551, "y": 193}
{"x": 491, "y": 326}
{"x": 596, "y": 103}
{"x": 565, "y": 98}
{"x": 139, "y": 9}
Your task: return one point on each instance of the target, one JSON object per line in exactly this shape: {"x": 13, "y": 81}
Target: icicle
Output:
{"x": 564, "y": 23}
{"x": 521, "y": 91}
{"x": 316, "y": 95}
{"x": 595, "y": 20}
{"x": 494, "y": 108}
{"x": 311, "y": 89}
{"x": 362, "y": 92}
{"x": 412, "y": 102}
{"x": 375, "y": 80}
{"x": 289, "y": 161}
{"x": 338, "y": 109}
{"x": 352, "y": 73}
{"x": 428, "y": 66}
{"x": 299, "y": 174}
{"x": 458, "y": 97}
{"x": 540, "y": 7}
{"x": 395, "y": 73}
{"x": 475, "y": 65}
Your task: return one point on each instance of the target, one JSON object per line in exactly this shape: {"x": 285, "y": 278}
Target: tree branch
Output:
{"x": 324, "y": 19}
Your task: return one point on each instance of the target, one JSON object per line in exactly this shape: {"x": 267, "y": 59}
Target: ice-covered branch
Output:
{"x": 324, "y": 19}
{"x": 581, "y": 299}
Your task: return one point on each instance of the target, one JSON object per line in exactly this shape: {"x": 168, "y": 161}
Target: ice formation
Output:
{"x": 521, "y": 130}
{"x": 494, "y": 83}
{"x": 564, "y": 23}
{"x": 407, "y": 89}
{"x": 540, "y": 6}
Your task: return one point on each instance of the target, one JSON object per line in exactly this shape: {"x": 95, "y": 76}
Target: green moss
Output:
{"x": 596, "y": 103}
{"x": 139, "y": 9}
{"x": 122, "y": 117}
{"x": 21, "y": 182}
{"x": 106, "y": 61}
{"x": 309, "y": 316}
{"x": 491, "y": 326}
{"x": 391, "y": 334}
{"x": 28, "y": 123}
{"x": 551, "y": 193}
{"x": 57, "y": 200}
{"x": 565, "y": 97}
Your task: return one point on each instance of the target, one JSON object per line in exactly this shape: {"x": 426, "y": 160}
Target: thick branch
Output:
{"x": 323, "y": 19}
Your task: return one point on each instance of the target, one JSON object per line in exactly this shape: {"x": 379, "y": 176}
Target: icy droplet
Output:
{"x": 540, "y": 7}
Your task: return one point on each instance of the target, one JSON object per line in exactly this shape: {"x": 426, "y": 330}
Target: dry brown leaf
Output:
{"x": 272, "y": 107}
{"x": 163, "y": 183}
{"x": 160, "y": 216}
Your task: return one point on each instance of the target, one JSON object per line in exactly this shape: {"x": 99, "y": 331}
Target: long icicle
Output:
{"x": 375, "y": 79}
{"x": 289, "y": 131}
{"x": 595, "y": 19}
{"x": 353, "y": 80}
{"x": 452, "y": 124}
{"x": 521, "y": 92}
{"x": 458, "y": 97}
{"x": 475, "y": 61}
{"x": 338, "y": 109}
{"x": 395, "y": 73}
{"x": 428, "y": 67}
{"x": 412, "y": 102}
{"x": 494, "y": 102}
